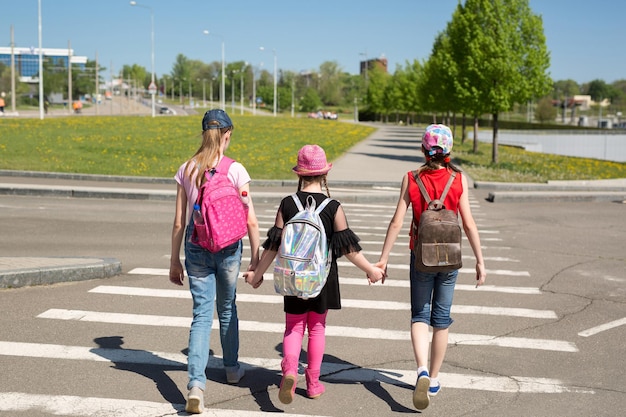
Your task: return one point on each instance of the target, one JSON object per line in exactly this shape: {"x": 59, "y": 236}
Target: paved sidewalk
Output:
{"x": 369, "y": 172}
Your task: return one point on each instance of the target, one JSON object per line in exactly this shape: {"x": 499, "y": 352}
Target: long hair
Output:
{"x": 302, "y": 180}
{"x": 437, "y": 161}
{"x": 207, "y": 154}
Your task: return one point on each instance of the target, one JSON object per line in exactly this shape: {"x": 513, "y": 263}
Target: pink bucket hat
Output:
{"x": 437, "y": 139}
{"x": 312, "y": 161}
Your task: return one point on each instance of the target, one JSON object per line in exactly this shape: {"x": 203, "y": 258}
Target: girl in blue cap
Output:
{"x": 212, "y": 276}
{"x": 431, "y": 293}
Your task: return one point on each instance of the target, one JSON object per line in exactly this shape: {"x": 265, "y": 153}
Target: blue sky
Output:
{"x": 586, "y": 38}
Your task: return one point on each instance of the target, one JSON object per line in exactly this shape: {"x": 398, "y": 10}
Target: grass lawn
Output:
{"x": 143, "y": 146}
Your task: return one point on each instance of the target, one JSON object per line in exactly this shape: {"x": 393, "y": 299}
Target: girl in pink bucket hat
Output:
{"x": 310, "y": 313}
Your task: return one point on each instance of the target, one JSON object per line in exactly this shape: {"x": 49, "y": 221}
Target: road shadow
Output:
{"x": 143, "y": 363}
{"x": 404, "y": 158}
{"x": 333, "y": 367}
{"x": 374, "y": 383}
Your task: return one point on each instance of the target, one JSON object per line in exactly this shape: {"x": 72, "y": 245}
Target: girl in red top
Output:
{"x": 431, "y": 293}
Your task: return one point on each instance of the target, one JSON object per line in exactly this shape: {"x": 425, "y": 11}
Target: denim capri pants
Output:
{"x": 431, "y": 296}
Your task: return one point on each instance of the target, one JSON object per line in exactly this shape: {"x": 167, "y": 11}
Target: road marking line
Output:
{"x": 516, "y": 384}
{"x": 349, "y": 303}
{"x": 338, "y": 331}
{"x": 71, "y": 405}
{"x": 461, "y": 271}
{"x": 362, "y": 281}
{"x": 330, "y": 371}
{"x": 603, "y": 327}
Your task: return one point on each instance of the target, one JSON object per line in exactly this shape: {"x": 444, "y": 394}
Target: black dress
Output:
{"x": 341, "y": 242}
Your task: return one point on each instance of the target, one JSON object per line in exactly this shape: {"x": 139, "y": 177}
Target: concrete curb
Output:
{"x": 28, "y": 271}
{"x": 557, "y": 196}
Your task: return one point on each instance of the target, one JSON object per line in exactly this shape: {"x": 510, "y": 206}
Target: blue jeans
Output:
{"x": 212, "y": 277}
{"x": 431, "y": 296}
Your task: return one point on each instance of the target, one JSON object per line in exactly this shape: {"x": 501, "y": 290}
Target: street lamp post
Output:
{"x": 241, "y": 87}
{"x": 204, "y": 92}
{"x": 232, "y": 89}
{"x": 275, "y": 78}
{"x": 180, "y": 91}
{"x": 152, "y": 84}
{"x": 223, "y": 86}
{"x": 275, "y": 83}
{"x": 41, "y": 99}
{"x": 211, "y": 86}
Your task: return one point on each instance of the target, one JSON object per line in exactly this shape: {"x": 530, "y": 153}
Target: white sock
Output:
{"x": 422, "y": 369}
{"x": 434, "y": 382}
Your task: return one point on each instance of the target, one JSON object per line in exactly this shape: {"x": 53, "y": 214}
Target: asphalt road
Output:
{"x": 544, "y": 337}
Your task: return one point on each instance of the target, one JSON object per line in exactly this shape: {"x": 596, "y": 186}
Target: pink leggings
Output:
{"x": 294, "y": 333}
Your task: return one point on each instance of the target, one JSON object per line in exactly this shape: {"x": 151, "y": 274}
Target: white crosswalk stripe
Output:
{"x": 332, "y": 371}
{"x": 69, "y": 405}
{"x": 339, "y": 331}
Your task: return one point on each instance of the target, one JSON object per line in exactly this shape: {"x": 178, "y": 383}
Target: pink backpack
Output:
{"x": 224, "y": 215}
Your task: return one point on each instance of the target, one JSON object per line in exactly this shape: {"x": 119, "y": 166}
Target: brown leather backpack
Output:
{"x": 438, "y": 237}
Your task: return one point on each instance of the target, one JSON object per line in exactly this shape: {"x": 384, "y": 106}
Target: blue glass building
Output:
{"x": 27, "y": 60}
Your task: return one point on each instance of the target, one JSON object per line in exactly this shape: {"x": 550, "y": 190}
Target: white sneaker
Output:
{"x": 195, "y": 401}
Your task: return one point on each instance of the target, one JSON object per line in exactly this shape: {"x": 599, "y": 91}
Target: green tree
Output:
{"x": 503, "y": 54}
{"x": 545, "y": 110}
{"x": 329, "y": 83}
{"x": 598, "y": 90}
{"x": 565, "y": 88}
{"x": 378, "y": 82}
{"x": 310, "y": 101}
{"x": 408, "y": 83}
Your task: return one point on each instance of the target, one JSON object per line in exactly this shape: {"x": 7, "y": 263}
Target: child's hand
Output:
{"x": 376, "y": 275}
{"x": 383, "y": 266}
{"x": 251, "y": 279}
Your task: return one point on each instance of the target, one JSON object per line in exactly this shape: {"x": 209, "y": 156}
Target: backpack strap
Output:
{"x": 422, "y": 188}
{"x": 297, "y": 201}
{"x": 323, "y": 205}
{"x": 224, "y": 165}
{"x": 318, "y": 210}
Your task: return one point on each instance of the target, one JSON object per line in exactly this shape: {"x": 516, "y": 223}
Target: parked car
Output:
{"x": 166, "y": 110}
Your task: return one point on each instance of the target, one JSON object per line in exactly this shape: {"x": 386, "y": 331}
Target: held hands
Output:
{"x": 254, "y": 281}
{"x": 376, "y": 274}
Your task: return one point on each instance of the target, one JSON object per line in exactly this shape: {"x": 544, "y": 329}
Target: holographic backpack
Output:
{"x": 303, "y": 260}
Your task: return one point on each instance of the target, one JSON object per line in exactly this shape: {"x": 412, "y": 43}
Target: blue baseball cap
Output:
{"x": 216, "y": 119}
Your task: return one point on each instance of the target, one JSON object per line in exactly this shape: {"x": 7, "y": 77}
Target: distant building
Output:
{"x": 27, "y": 60}
{"x": 582, "y": 102}
{"x": 370, "y": 64}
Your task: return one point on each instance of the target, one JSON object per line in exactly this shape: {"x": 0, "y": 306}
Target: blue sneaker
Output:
{"x": 432, "y": 391}
{"x": 420, "y": 395}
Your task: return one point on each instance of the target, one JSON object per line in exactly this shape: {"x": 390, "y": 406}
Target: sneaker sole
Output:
{"x": 285, "y": 394}
{"x": 420, "y": 395}
{"x": 193, "y": 406}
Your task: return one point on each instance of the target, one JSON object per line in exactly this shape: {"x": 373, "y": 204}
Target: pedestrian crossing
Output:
{"x": 370, "y": 223}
